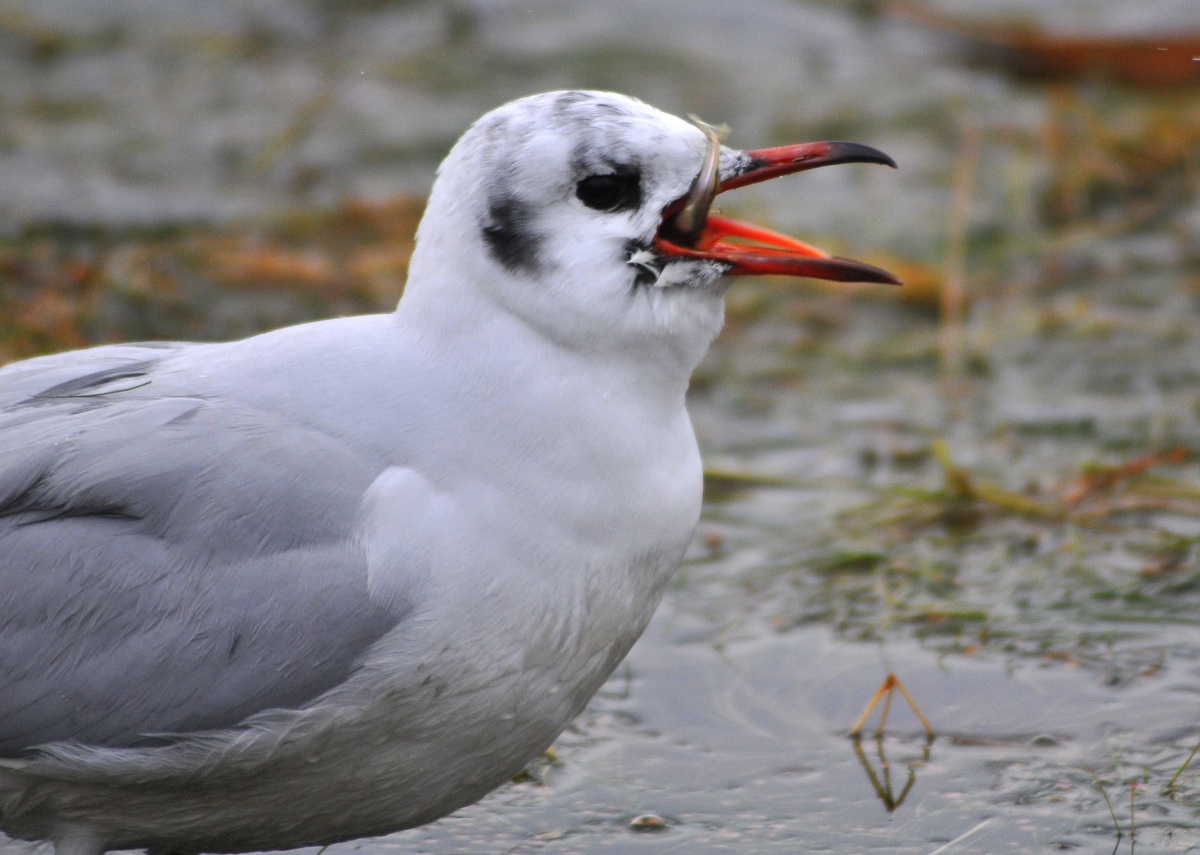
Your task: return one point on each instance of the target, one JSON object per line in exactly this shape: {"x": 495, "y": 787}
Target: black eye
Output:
{"x": 613, "y": 192}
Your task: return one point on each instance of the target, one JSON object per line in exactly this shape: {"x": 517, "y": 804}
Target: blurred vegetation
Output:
{"x": 63, "y": 287}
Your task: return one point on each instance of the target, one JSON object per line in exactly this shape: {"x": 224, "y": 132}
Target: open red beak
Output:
{"x": 689, "y": 231}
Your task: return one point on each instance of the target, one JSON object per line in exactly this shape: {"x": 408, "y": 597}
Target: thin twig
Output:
{"x": 883, "y": 714}
{"x": 916, "y": 709}
{"x": 886, "y": 688}
{"x": 961, "y": 837}
{"x": 954, "y": 286}
{"x": 1104, "y": 793}
{"x": 1132, "y": 819}
{"x": 294, "y": 133}
{"x": 1186, "y": 763}
{"x": 884, "y": 692}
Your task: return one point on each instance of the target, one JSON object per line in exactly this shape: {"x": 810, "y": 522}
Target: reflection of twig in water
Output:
{"x": 883, "y": 789}
{"x": 885, "y": 691}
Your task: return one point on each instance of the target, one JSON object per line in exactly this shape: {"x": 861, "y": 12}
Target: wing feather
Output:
{"x": 168, "y": 564}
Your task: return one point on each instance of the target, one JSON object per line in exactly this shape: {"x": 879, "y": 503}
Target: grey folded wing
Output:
{"x": 168, "y": 563}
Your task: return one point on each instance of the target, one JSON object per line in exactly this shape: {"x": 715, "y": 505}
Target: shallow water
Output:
{"x": 1036, "y": 642}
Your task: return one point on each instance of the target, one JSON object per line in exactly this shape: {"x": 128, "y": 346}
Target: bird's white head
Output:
{"x": 585, "y": 215}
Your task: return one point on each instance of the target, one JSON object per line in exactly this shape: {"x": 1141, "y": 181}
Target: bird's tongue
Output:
{"x": 690, "y": 231}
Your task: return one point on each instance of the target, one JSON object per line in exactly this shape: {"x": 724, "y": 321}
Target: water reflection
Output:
{"x": 881, "y": 780}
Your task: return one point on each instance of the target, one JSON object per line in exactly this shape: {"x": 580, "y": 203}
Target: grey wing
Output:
{"x": 86, "y": 371}
{"x": 168, "y": 564}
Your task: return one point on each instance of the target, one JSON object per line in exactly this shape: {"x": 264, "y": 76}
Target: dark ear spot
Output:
{"x": 510, "y": 234}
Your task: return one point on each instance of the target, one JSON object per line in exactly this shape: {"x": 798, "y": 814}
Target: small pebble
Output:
{"x": 648, "y": 822}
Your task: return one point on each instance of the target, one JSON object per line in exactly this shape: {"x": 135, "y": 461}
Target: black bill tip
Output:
{"x": 841, "y": 151}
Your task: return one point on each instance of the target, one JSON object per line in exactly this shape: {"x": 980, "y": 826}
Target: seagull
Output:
{"x": 343, "y": 578}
